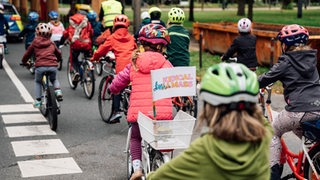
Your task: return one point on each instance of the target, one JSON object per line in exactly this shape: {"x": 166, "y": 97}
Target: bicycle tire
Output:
{"x": 314, "y": 154}
{"x": 129, "y": 157}
{"x": 44, "y": 100}
{"x": 70, "y": 74}
{"x": 105, "y": 99}
{"x": 88, "y": 81}
{"x": 98, "y": 68}
{"x": 156, "y": 160}
{"x": 52, "y": 109}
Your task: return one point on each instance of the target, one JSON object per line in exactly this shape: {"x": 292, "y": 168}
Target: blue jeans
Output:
{"x": 38, "y": 79}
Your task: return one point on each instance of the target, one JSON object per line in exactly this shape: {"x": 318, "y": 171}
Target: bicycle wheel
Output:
{"x": 129, "y": 158}
{"x": 44, "y": 99}
{"x": 52, "y": 109}
{"x": 88, "y": 81}
{"x": 70, "y": 74}
{"x": 105, "y": 99}
{"x": 156, "y": 160}
{"x": 191, "y": 105}
{"x": 98, "y": 68}
{"x": 314, "y": 154}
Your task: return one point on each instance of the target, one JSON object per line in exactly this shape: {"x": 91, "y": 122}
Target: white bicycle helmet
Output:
{"x": 244, "y": 25}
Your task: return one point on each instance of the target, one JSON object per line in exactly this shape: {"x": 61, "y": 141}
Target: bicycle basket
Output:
{"x": 167, "y": 134}
{"x": 310, "y": 124}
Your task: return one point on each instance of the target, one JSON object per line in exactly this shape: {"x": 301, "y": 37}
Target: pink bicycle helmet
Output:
{"x": 121, "y": 20}
{"x": 293, "y": 34}
{"x": 154, "y": 34}
{"x": 44, "y": 30}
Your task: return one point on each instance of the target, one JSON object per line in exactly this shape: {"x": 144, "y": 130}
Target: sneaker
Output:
{"x": 76, "y": 78}
{"x": 58, "y": 93}
{"x": 37, "y": 104}
{"x": 6, "y": 51}
{"x": 115, "y": 118}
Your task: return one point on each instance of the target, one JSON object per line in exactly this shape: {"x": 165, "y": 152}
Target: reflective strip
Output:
{"x": 179, "y": 34}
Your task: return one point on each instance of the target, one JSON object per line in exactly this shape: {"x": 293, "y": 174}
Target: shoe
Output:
{"x": 115, "y": 118}
{"x": 58, "y": 93}
{"x": 76, "y": 78}
{"x": 37, "y": 104}
{"x": 276, "y": 171}
{"x": 136, "y": 175}
{"x": 6, "y": 51}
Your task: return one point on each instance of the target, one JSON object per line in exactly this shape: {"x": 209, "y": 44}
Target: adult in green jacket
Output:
{"x": 236, "y": 145}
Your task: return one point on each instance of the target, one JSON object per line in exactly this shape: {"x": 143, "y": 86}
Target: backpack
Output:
{"x": 80, "y": 32}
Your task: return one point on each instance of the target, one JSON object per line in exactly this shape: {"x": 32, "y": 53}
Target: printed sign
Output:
{"x": 172, "y": 82}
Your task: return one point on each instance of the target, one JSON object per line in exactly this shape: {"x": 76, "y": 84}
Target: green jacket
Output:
{"x": 178, "y": 49}
{"x": 210, "y": 158}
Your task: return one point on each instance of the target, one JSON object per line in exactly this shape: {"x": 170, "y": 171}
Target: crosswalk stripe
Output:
{"x": 22, "y": 118}
{"x": 34, "y": 130}
{"x": 46, "y": 167}
{"x": 13, "y": 108}
{"x": 38, "y": 147}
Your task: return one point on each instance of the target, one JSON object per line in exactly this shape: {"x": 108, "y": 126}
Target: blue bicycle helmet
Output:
{"x": 53, "y": 15}
{"x": 92, "y": 16}
{"x": 33, "y": 16}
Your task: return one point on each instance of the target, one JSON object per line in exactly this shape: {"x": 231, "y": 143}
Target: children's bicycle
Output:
{"x": 85, "y": 75}
{"x": 159, "y": 139}
{"x": 105, "y": 98}
{"x": 306, "y": 163}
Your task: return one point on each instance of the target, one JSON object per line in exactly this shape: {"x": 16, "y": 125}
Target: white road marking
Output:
{"x": 38, "y": 147}
{"x": 17, "y": 108}
{"x": 23, "y": 118}
{"x": 48, "y": 167}
{"x": 35, "y": 130}
{"x": 23, "y": 91}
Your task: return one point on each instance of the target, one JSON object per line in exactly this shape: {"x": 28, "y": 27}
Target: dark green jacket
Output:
{"x": 178, "y": 49}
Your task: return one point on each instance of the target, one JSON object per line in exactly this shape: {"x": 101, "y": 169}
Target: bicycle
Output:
{"x": 105, "y": 98}
{"x": 159, "y": 139}
{"x": 86, "y": 72}
{"x": 1, "y": 54}
{"x": 50, "y": 106}
{"x": 188, "y": 104}
{"x": 306, "y": 163}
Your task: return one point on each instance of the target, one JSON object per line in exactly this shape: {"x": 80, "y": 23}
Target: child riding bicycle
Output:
{"x": 238, "y": 137}
{"x": 29, "y": 30}
{"x": 122, "y": 44}
{"x": 296, "y": 69}
{"x": 56, "y": 26}
{"x": 154, "y": 39}
{"x": 47, "y": 56}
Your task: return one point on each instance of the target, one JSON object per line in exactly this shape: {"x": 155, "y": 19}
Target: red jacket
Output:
{"x": 45, "y": 51}
{"x": 122, "y": 43}
{"x": 141, "y": 93}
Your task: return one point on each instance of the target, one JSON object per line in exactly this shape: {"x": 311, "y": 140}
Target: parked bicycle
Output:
{"x": 306, "y": 163}
{"x": 86, "y": 72}
{"x": 50, "y": 106}
{"x": 105, "y": 98}
{"x": 159, "y": 139}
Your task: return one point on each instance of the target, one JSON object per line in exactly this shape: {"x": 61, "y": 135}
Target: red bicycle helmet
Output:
{"x": 293, "y": 34}
{"x": 121, "y": 20}
{"x": 44, "y": 30}
{"x": 154, "y": 34}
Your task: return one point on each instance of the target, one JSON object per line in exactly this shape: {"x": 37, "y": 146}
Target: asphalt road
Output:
{"x": 95, "y": 147}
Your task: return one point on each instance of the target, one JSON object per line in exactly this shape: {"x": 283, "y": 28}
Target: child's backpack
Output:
{"x": 80, "y": 32}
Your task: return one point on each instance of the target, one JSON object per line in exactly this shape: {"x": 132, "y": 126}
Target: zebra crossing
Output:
{"x": 30, "y": 136}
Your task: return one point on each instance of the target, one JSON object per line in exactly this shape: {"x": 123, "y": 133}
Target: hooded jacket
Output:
{"x": 122, "y": 43}
{"x": 141, "y": 87}
{"x": 300, "y": 79}
{"x": 45, "y": 51}
{"x": 29, "y": 31}
{"x": 211, "y": 158}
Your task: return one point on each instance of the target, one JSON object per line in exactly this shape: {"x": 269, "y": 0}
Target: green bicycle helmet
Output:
{"x": 176, "y": 15}
{"x": 227, "y": 83}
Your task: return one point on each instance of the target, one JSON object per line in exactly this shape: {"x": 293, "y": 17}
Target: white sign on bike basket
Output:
{"x": 172, "y": 82}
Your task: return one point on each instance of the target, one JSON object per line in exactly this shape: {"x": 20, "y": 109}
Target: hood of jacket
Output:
{"x": 41, "y": 42}
{"x": 149, "y": 60}
{"x": 122, "y": 35}
{"x": 303, "y": 61}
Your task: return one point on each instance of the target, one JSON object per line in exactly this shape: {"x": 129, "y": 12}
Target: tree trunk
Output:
{"x": 250, "y": 9}
{"x": 191, "y": 5}
{"x": 241, "y": 7}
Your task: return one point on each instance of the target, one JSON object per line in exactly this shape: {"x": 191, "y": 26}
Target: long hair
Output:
{"x": 236, "y": 125}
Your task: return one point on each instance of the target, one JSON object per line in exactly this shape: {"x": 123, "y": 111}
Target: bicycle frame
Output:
{"x": 295, "y": 161}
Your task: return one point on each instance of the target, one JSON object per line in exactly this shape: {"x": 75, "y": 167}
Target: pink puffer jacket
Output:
{"x": 141, "y": 94}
